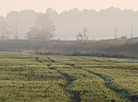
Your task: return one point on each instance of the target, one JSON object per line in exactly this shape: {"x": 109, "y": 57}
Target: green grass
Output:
{"x": 30, "y": 78}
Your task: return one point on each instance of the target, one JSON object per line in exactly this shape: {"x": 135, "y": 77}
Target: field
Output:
{"x": 44, "y": 78}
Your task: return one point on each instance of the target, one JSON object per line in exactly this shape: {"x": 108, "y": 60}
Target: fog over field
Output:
{"x": 100, "y": 24}
{"x": 68, "y": 50}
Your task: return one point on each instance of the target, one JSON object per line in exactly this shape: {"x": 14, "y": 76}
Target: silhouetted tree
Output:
{"x": 131, "y": 33}
{"x": 43, "y": 28}
{"x": 85, "y": 31}
{"x": 15, "y": 30}
{"x": 83, "y": 36}
{"x": 79, "y": 36}
{"x": 116, "y": 31}
{"x": 4, "y": 32}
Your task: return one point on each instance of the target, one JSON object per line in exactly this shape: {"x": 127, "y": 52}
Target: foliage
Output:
{"x": 43, "y": 28}
{"x": 4, "y": 32}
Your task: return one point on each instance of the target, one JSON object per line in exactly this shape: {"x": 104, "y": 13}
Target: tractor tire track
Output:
{"x": 108, "y": 83}
{"x": 51, "y": 60}
{"x": 76, "y": 94}
{"x": 37, "y": 59}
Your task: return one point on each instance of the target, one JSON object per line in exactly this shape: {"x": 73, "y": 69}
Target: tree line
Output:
{"x": 43, "y": 29}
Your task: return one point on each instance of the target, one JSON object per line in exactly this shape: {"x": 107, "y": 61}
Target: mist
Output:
{"x": 69, "y": 50}
{"x": 101, "y": 25}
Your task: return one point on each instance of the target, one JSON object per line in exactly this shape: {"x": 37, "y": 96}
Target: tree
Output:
{"x": 15, "y": 30}
{"x": 116, "y": 31}
{"x": 83, "y": 36}
{"x": 4, "y": 32}
{"x": 79, "y": 36}
{"x": 43, "y": 28}
{"x": 131, "y": 33}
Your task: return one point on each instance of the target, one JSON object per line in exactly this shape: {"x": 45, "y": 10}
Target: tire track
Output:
{"x": 37, "y": 59}
{"x": 76, "y": 94}
{"x": 51, "y": 60}
{"x": 109, "y": 84}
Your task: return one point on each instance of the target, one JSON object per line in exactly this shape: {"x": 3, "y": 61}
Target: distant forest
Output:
{"x": 103, "y": 24}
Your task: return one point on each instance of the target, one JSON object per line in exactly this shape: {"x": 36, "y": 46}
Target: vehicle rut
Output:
{"x": 76, "y": 94}
{"x": 108, "y": 83}
{"x": 37, "y": 59}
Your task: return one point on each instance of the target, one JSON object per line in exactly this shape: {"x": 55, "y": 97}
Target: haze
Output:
{"x": 100, "y": 17}
{"x": 61, "y": 5}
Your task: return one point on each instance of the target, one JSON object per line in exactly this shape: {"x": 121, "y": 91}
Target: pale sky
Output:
{"x": 61, "y": 5}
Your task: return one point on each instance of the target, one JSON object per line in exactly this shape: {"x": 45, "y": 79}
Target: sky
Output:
{"x": 61, "y": 5}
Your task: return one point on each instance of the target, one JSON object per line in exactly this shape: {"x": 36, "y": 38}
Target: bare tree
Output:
{"x": 116, "y": 31}
{"x": 83, "y": 36}
{"x": 131, "y": 33}
{"x": 4, "y": 30}
{"x": 79, "y": 36}
{"x": 85, "y": 31}
{"x": 15, "y": 30}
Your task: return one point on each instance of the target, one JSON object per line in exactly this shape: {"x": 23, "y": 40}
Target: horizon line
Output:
{"x": 98, "y": 11}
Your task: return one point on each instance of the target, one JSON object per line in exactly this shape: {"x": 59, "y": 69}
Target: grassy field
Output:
{"x": 41, "y": 78}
